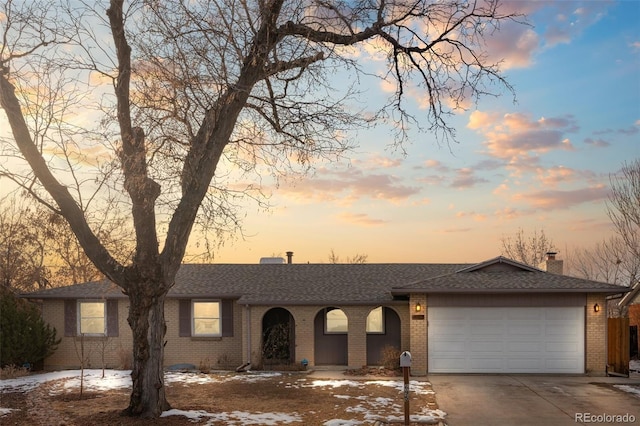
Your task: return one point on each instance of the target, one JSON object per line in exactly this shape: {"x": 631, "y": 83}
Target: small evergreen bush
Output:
{"x": 25, "y": 339}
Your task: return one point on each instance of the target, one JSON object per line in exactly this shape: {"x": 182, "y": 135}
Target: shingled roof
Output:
{"x": 502, "y": 275}
{"x": 306, "y": 284}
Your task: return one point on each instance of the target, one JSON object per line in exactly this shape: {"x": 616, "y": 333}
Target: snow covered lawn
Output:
{"x": 256, "y": 398}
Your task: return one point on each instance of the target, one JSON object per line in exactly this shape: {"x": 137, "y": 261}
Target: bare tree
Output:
{"x": 624, "y": 205}
{"x": 528, "y": 249}
{"x": 203, "y": 95}
{"x": 355, "y": 259}
{"x": 22, "y": 249}
{"x": 608, "y": 260}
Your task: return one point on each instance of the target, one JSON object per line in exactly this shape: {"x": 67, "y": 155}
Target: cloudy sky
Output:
{"x": 542, "y": 163}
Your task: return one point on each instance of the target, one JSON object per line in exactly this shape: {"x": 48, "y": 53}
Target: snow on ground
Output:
{"x": 635, "y": 390}
{"x": 121, "y": 379}
{"x": 634, "y": 365}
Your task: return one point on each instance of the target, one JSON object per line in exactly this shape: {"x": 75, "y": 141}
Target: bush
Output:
{"x": 25, "y": 339}
{"x": 391, "y": 357}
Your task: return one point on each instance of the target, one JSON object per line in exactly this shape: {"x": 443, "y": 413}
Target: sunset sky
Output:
{"x": 541, "y": 163}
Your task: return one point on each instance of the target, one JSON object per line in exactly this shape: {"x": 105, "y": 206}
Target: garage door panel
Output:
{"x": 506, "y": 340}
{"x": 455, "y": 328}
{"x": 569, "y": 348}
{"x": 486, "y": 364}
{"x": 524, "y": 347}
{"x": 524, "y": 329}
{"x": 484, "y": 315}
{"x": 524, "y": 365}
{"x": 486, "y": 346}
{"x": 490, "y": 328}
{"x": 524, "y": 315}
{"x": 453, "y": 365}
{"x": 564, "y": 328}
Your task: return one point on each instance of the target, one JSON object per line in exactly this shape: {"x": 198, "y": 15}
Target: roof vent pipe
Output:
{"x": 289, "y": 257}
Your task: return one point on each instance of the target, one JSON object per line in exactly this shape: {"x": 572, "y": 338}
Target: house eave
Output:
{"x": 405, "y": 291}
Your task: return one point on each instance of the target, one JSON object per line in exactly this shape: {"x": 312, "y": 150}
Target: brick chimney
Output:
{"x": 289, "y": 257}
{"x": 553, "y": 265}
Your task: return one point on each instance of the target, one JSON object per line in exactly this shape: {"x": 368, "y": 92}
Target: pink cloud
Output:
{"x": 348, "y": 185}
{"x": 478, "y": 217}
{"x": 465, "y": 178}
{"x": 507, "y": 213}
{"x": 553, "y": 176}
{"x": 378, "y": 162}
{"x": 361, "y": 219}
{"x": 518, "y": 135}
{"x": 552, "y": 199}
{"x": 513, "y": 46}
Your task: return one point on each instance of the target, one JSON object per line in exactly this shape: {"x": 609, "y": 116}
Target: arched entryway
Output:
{"x": 383, "y": 329}
{"x": 278, "y": 337}
{"x": 330, "y": 329}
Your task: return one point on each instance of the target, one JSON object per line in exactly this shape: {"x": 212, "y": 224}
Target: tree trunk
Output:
{"x": 146, "y": 318}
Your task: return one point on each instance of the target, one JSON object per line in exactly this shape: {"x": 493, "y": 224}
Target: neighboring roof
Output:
{"x": 502, "y": 275}
{"x": 307, "y": 284}
{"x": 631, "y": 297}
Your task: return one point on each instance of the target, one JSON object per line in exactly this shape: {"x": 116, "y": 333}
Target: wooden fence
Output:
{"x": 618, "y": 345}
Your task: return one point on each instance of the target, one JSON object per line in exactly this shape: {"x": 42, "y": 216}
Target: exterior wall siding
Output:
{"x": 418, "y": 326}
{"x": 217, "y": 353}
{"x": 116, "y": 350}
{"x": 596, "y": 338}
{"x": 304, "y": 317}
{"x": 230, "y": 352}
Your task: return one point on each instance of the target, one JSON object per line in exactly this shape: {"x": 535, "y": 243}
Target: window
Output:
{"x": 206, "y": 318}
{"x": 375, "y": 321}
{"x": 336, "y": 321}
{"x": 92, "y": 318}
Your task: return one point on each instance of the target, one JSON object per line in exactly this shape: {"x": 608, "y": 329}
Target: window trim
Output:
{"x": 193, "y": 318}
{"x": 382, "y": 322}
{"x": 104, "y": 317}
{"x": 326, "y": 328}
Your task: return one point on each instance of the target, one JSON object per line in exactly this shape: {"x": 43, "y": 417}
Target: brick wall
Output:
{"x": 215, "y": 353}
{"x": 303, "y": 317}
{"x": 211, "y": 352}
{"x": 418, "y": 327}
{"x": 116, "y": 350}
{"x": 596, "y": 336}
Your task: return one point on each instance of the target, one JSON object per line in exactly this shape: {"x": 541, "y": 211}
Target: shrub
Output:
{"x": 11, "y": 372}
{"x": 24, "y": 336}
{"x": 391, "y": 358}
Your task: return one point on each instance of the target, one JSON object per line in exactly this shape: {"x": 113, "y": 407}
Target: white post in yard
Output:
{"x": 405, "y": 364}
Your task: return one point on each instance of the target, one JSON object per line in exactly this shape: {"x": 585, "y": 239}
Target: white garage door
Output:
{"x": 506, "y": 340}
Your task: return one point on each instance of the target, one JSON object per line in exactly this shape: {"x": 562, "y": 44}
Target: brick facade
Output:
{"x": 596, "y": 336}
{"x": 418, "y": 324}
{"x": 116, "y": 350}
{"x": 230, "y": 352}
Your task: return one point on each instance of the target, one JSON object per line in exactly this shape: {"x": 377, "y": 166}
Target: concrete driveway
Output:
{"x": 522, "y": 400}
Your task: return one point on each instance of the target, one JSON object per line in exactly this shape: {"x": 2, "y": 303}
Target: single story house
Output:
{"x": 497, "y": 316}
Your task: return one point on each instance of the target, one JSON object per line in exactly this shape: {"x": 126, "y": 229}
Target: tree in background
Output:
{"x": 528, "y": 249}
{"x": 39, "y": 250}
{"x": 608, "y": 261}
{"x": 22, "y": 249}
{"x": 624, "y": 205}
{"x": 24, "y": 336}
{"x": 616, "y": 260}
{"x": 356, "y": 258}
{"x": 190, "y": 99}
